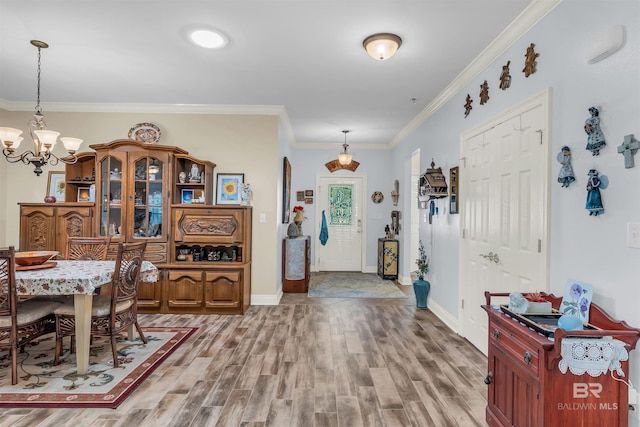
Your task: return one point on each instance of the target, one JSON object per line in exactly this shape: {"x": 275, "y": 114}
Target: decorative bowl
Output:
{"x": 34, "y": 257}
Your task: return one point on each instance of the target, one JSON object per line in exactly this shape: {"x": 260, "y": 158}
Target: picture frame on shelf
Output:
{"x": 84, "y": 194}
{"x": 56, "y": 185}
{"x": 187, "y": 196}
{"x": 228, "y": 188}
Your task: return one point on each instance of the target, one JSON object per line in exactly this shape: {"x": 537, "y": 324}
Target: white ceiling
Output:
{"x": 303, "y": 55}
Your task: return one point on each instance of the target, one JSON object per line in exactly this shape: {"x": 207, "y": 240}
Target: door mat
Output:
{"x": 348, "y": 284}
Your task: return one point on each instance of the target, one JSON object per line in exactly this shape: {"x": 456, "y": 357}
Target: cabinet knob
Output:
{"x": 527, "y": 357}
{"x": 496, "y": 333}
{"x": 487, "y": 380}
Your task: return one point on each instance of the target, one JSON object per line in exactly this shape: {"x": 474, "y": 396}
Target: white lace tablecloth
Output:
{"x": 593, "y": 356}
{"x": 74, "y": 277}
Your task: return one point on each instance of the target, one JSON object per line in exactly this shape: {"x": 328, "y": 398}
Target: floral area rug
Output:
{"x": 43, "y": 385}
{"x": 348, "y": 284}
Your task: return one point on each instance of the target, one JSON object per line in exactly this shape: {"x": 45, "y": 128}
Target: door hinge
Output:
{"x": 539, "y": 245}
{"x": 463, "y": 303}
{"x": 540, "y": 133}
{"x": 464, "y": 233}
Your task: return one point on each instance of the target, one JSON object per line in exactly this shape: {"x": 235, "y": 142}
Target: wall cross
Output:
{"x": 628, "y": 149}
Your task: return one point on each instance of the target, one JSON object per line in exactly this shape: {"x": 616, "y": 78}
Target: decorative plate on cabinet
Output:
{"x": 147, "y": 133}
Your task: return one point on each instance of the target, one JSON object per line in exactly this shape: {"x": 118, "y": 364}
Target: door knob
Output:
{"x": 491, "y": 257}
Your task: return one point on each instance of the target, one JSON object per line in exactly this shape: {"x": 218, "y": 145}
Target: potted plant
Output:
{"x": 421, "y": 287}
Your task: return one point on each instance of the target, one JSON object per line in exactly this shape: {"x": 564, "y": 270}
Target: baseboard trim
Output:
{"x": 267, "y": 299}
{"x": 443, "y": 315}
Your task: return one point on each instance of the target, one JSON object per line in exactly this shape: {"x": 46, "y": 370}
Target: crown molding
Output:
{"x": 529, "y": 17}
{"x": 269, "y": 110}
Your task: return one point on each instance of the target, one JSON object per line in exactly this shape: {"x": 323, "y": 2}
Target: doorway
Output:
{"x": 340, "y": 197}
{"x": 504, "y": 212}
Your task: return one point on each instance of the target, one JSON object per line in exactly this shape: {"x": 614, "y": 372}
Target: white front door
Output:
{"x": 340, "y": 197}
{"x": 505, "y": 181}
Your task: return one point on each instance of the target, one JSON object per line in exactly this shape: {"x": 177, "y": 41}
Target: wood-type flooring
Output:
{"x": 305, "y": 362}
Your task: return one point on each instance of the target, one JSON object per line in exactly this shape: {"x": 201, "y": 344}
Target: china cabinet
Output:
{"x": 136, "y": 193}
{"x": 525, "y": 386}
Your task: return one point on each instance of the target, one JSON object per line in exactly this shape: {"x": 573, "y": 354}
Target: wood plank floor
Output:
{"x": 306, "y": 362}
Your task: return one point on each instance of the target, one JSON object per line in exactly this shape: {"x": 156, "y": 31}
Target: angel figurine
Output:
{"x": 595, "y": 137}
{"x": 594, "y": 199}
{"x": 566, "y": 176}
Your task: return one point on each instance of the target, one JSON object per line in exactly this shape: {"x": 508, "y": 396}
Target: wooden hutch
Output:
{"x": 525, "y": 386}
{"x": 203, "y": 251}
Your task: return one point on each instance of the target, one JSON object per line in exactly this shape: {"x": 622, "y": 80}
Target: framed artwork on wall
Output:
{"x": 84, "y": 194}
{"x": 56, "y": 186}
{"x": 300, "y": 196}
{"x": 286, "y": 190}
{"x": 228, "y": 188}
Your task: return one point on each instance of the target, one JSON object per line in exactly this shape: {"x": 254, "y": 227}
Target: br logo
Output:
{"x": 583, "y": 390}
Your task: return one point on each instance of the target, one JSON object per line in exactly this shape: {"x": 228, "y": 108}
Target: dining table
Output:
{"x": 80, "y": 278}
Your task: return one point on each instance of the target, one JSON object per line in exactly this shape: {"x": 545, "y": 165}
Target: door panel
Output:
{"x": 341, "y": 200}
{"x": 504, "y": 215}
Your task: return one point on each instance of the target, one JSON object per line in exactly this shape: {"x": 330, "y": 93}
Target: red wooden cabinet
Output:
{"x": 526, "y": 387}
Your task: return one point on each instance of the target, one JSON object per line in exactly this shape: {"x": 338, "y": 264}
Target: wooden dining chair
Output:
{"x": 20, "y": 322}
{"x": 110, "y": 314}
{"x": 87, "y": 248}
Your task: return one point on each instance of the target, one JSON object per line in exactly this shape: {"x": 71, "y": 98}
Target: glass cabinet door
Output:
{"x": 111, "y": 198}
{"x": 148, "y": 209}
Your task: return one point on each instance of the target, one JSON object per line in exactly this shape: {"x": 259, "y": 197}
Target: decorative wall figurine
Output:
{"x": 628, "y": 149}
{"x": 467, "y": 106}
{"x": 566, "y": 176}
{"x": 396, "y": 192}
{"x": 484, "y": 93}
{"x": 505, "y": 77}
{"x": 595, "y": 138}
{"x": 594, "y": 199}
{"x": 530, "y": 63}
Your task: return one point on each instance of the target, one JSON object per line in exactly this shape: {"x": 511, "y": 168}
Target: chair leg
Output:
{"x": 58, "y": 353}
{"x": 14, "y": 365}
{"x": 142, "y": 337}
{"x": 114, "y": 351}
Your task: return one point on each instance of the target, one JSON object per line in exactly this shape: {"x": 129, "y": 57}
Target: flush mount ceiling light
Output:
{"x": 382, "y": 46}
{"x": 208, "y": 38}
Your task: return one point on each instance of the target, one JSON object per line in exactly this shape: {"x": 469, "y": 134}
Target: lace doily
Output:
{"x": 593, "y": 356}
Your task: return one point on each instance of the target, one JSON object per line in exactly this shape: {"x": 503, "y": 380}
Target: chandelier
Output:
{"x": 345, "y": 158}
{"x": 43, "y": 139}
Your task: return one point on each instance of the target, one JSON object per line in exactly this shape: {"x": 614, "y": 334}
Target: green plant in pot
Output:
{"x": 420, "y": 286}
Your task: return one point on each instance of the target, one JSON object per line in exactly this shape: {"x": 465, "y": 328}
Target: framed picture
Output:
{"x": 228, "y": 188}
{"x": 286, "y": 190}
{"x": 84, "y": 195}
{"x": 308, "y": 201}
{"x": 187, "y": 197}
{"x": 56, "y": 186}
{"x": 300, "y": 196}
{"x": 308, "y": 193}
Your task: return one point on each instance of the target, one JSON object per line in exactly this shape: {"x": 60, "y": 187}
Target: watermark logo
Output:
{"x": 584, "y": 390}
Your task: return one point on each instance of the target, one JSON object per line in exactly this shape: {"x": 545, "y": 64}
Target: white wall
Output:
{"x": 376, "y": 165}
{"x": 583, "y": 247}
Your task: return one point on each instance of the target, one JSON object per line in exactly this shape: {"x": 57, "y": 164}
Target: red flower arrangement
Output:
{"x": 297, "y": 209}
{"x": 535, "y": 297}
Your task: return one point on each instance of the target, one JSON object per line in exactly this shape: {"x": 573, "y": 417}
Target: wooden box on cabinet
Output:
{"x": 296, "y": 264}
{"x": 45, "y": 226}
{"x": 388, "y": 259}
{"x": 525, "y": 386}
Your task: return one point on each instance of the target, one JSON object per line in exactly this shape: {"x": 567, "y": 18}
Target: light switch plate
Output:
{"x": 633, "y": 235}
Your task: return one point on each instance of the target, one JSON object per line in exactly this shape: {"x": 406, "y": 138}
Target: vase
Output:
{"x": 298, "y": 219}
{"x": 421, "y": 288}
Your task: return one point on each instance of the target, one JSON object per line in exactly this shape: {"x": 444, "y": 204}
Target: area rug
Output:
{"x": 337, "y": 284}
{"x": 43, "y": 385}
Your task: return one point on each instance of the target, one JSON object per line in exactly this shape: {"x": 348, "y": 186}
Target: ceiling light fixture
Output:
{"x": 43, "y": 139}
{"x": 345, "y": 158}
{"x": 209, "y": 39}
{"x": 382, "y": 46}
